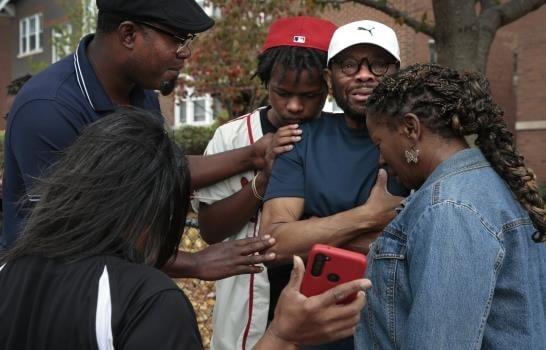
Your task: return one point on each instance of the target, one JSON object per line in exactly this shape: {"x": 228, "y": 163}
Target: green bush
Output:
{"x": 194, "y": 139}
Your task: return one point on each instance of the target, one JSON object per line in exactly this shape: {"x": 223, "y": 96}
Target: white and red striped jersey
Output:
{"x": 242, "y": 302}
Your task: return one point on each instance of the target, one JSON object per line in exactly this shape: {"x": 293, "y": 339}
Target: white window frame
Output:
{"x": 24, "y": 33}
{"x": 56, "y": 35}
{"x": 180, "y": 105}
{"x": 190, "y": 110}
{"x": 209, "y": 8}
{"x": 203, "y": 113}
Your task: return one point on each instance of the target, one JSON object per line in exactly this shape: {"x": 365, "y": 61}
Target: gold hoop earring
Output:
{"x": 412, "y": 155}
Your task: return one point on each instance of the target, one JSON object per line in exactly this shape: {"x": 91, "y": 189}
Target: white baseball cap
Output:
{"x": 364, "y": 32}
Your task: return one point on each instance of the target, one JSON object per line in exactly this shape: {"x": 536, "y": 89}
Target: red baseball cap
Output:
{"x": 301, "y": 31}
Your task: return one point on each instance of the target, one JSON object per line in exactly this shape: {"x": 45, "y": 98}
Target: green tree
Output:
{"x": 462, "y": 29}
{"x": 224, "y": 58}
{"x": 81, "y": 19}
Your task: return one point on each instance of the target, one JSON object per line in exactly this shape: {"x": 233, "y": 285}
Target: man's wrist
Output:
{"x": 253, "y": 185}
{"x": 354, "y": 221}
{"x": 261, "y": 183}
{"x": 370, "y": 220}
{"x": 184, "y": 266}
{"x": 277, "y": 340}
{"x": 255, "y": 157}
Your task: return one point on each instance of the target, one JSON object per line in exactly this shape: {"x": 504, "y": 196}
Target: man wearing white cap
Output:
{"x": 325, "y": 189}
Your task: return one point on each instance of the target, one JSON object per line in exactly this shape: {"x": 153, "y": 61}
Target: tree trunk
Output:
{"x": 456, "y": 34}
{"x": 464, "y": 29}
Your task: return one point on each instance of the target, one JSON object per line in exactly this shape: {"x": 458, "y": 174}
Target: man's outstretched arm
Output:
{"x": 209, "y": 169}
{"x": 222, "y": 260}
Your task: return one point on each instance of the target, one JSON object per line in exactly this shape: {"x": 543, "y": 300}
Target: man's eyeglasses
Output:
{"x": 183, "y": 42}
{"x": 351, "y": 66}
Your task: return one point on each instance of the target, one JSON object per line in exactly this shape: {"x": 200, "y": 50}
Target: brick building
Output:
{"x": 516, "y": 66}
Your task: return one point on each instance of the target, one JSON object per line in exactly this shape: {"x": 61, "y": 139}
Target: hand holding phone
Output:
{"x": 329, "y": 266}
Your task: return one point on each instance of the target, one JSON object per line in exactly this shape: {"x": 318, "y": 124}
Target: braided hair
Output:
{"x": 454, "y": 104}
{"x": 288, "y": 58}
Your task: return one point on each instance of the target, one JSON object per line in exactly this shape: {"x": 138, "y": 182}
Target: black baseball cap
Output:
{"x": 184, "y": 16}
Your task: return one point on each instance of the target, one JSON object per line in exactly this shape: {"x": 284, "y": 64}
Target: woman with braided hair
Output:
{"x": 463, "y": 265}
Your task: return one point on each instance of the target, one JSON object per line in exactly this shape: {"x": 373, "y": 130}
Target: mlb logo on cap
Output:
{"x": 300, "y": 39}
{"x": 301, "y": 31}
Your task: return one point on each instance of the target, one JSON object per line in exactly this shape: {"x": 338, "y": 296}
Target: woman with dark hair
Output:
{"x": 81, "y": 275}
{"x": 462, "y": 266}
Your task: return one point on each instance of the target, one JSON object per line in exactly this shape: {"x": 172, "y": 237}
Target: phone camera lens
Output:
{"x": 321, "y": 257}
{"x": 318, "y": 264}
{"x": 333, "y": 277}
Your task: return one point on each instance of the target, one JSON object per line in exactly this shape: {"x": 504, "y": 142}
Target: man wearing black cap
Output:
{"x": 139, "y": 46}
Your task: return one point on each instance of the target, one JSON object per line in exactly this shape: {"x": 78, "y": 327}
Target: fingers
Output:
{"x": 382, "y": 178}
{"x": 346, "y": 317}
{"x": 284, "y": 144}
{"x": 287, "y": 135}
{"x": 248, "y": 247}
{"x": 247, "y": 264}
{"x": 253, "y": 245}
{"x": 339, "y": 293}
{"x": 255, "y": 259}
{"x": 297, "y": 274}
{"x": 335, "y": 321}
{"x": 294, "y": 136}
{"x": 289, "y": 127}
{"x": 282, "y": 149}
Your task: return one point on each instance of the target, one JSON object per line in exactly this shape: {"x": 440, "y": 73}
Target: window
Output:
{"x": 216, "y": 108}
{"x": 30, "y": 35}
{"x": 60, "y": 42}
{"x": 209, "y": 8}
{"x": 199, "y": 110}
{"x": 182, "y": 107}
{"x": 194, "y": 110}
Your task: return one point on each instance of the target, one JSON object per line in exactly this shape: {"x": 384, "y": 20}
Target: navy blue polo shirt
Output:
{"x": 47, "y": 116}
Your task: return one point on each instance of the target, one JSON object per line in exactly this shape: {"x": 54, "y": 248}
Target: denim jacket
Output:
{"x": 457, "y": 268}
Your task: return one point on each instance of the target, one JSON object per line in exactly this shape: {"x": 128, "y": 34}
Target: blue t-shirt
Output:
{"x": 333, "y": 168}
{"x": 47, "y": 116}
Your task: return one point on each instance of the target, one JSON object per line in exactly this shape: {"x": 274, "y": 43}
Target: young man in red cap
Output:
{"x": 290, "y": 67}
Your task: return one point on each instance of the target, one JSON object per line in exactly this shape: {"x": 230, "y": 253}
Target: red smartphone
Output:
{"x": 329, "y": 266}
